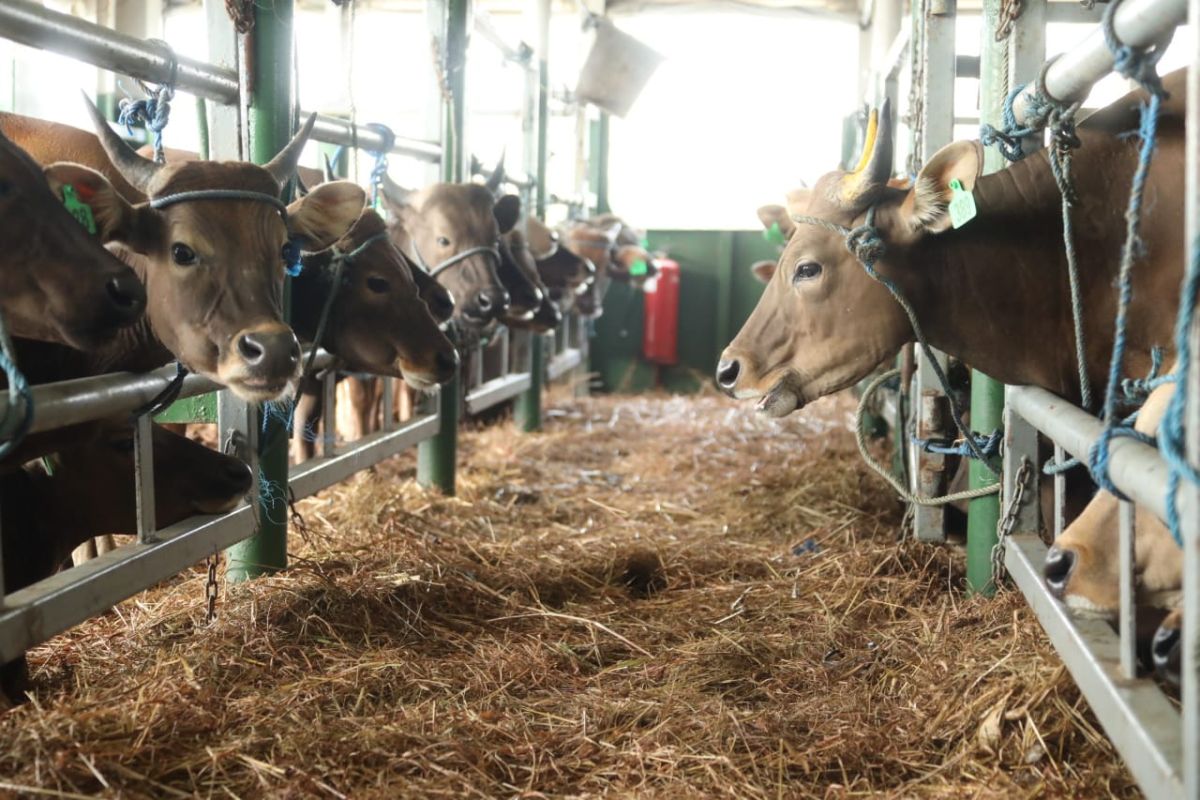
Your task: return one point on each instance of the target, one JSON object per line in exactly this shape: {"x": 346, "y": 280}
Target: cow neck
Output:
{"x": 987, "y": 292}
{"x": 309, "y": 291}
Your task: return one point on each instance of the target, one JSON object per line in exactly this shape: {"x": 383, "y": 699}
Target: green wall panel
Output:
{"x": 717, "y": 292}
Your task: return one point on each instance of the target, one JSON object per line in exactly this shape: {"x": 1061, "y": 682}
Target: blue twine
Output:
{"x": 271, "y": 493}
{"x": 986, "y": 443}
{"x": 282, "y": 410}
{"x": 1007, "y": 138}
{"x": 1137, "y": 64}
{"x": 1171, "y": 434}
{"x": 379, "y": 171}
{"x": 154, "y": 113}
{"x": 19, "y": 395}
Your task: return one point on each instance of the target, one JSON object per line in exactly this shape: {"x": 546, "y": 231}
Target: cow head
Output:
{"x": 545, "y": 316}
{"x": 563, "y": 273}
{"x": 822, "y": 323}
{"x": 440, "y": 223}
{"x": 379, "y": 322}
{"x": 57, "y": 283}
{"x": 213, "y": 268}
{"x": 1083, "y": 566}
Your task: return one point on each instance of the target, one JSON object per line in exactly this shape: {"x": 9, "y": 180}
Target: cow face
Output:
{"x": 213, "y": 268}
{"x": 57, "y": 283}
{"x": 545, "y": 316}
{"x": 441, "y": 222}
{"x": 379, "y": 323}
{"x": 822, "y": 323}
{"x": 1083, "y": 566}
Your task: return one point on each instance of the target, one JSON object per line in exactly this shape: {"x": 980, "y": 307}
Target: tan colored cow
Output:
{"x": 991, "y": 293}
{"x": 213, "y": 268}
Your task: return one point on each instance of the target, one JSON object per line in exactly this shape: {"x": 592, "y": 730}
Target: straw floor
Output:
{"x": 657, "y": 597}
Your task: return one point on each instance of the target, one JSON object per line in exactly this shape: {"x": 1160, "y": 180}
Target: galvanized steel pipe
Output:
{"x": 1137, "y": 23}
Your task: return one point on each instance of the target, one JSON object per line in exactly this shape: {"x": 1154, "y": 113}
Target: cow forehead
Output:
{"x": 189, "y": 176}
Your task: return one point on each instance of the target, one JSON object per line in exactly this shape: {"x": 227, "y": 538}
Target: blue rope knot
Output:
{"x": 865, "y": 242}
{"x": 1136, "y": 63}
{"x": 154, "y": 113}
{"x": 379, "y": 171}
{"x": 1098, "y": 456}
{"x": 986, "y": 443}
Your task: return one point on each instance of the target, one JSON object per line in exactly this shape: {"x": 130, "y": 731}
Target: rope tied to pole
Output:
{"x": 20, "y": 397}
{"x": 867, "y": 245}
{"x": 988, "y": 444}
{"x": 379, "y": 171}
{"x": 1137, "y": 64}
{"x": 153, "y": 112}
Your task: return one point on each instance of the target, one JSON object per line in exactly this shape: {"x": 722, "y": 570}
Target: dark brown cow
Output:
{"x": 213, "y": 268}
{"x": 57, "y": 283}
{"x": 546, "y": 316}
{"x": 92, "y": 494}
{"x": 983, "y": 292}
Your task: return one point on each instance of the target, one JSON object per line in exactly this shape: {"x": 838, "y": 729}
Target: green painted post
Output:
{"x": 987, "y": 395}
{"x": 436, "y": 457}
{"x": 271, "y": 127}
{"x": 528, "y": 407}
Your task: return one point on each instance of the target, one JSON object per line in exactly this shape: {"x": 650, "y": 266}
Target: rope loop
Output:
{"x": 865, "y": 242}
{"x": 379, "y": 171}
{"x": 154, "y": 112}
{"x": 1135, "y": 63}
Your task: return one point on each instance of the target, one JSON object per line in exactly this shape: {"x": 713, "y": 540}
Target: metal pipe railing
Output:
{"x": 1137, "y": 23}
{"x": 32, "y": 25}
{"x": 521, "y": 55}
{"x": 1135, "y": 468}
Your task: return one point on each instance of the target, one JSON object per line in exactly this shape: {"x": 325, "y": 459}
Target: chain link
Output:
{"x": 211, "y": 589}
{"x": 1008, "y": 522}
{"x": 1010, "y": 12}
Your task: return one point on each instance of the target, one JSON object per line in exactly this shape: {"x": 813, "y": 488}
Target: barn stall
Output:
{"x": 632, "y": 585}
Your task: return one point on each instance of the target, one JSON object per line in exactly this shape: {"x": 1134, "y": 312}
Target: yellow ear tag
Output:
{"x": 962, "y": 205}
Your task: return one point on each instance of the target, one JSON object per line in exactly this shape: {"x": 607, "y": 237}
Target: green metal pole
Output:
{"x": 527, "y": 411}
{"x": 436, "y": 457}
{"x": 987, "y": 395}
{"x": 271, "y": 127}
{"x": 599, "y": 156}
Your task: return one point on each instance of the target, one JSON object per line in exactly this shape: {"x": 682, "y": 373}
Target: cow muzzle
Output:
{"x": 261, "y": 362}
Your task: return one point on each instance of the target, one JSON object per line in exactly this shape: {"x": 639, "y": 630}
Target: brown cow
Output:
{"x": 213, "y": 268}
{"x": 91, "y": 493}
{"x": 823, "y": 324}
{"x": 437, "y": 226}
{"x": 57, "y": 283}
{"x": 546, "y": 316}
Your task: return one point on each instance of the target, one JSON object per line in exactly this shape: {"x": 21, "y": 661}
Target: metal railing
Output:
{"x": 1156, "y": 741}
{"x": 30, "y": 24}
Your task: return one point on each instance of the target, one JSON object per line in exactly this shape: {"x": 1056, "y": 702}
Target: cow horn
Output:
{"x": 139, "y": 172}
{"x": 330, "y": 172}
{"x": 497, "y": 177}
{"x": 394, "y": 192}
{"x": 283, "y": 166}
{"x": 859, "y": 187}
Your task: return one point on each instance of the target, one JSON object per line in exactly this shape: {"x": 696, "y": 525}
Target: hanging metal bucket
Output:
{"x": 616, "y": 70}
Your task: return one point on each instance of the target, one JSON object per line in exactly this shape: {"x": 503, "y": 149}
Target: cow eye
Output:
{"x": 806, "y": 271}
{"x": 378, "y": 285}
{"x": 184, "y": 256}
{"x": 443, "y": 241}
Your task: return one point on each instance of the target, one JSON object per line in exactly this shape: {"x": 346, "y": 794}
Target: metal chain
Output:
{"x": 1008, "y": 522}
{"x": 242, "y": 14}
{"x": 211, "y": 589}
{"x": 1010, "y": 12}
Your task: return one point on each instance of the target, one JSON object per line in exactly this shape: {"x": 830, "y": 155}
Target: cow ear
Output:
{"x": 763, "y": 270}
{"x": 115, "y": 219}
{"x": 325, "y": 214}
{"x": 507, "y": 211}
{"x": 773, "y": 215}
{"x": 927, "y": 204}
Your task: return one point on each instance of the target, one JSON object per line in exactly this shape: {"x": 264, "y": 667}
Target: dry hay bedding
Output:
{"x": 661, "y": 597}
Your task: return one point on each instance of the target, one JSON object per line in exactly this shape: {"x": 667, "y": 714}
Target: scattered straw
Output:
{"x": 656, "y": 596}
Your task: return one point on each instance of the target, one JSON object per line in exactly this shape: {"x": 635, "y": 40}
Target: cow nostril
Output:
{"x": 483, "y": 302}
{"x": 1165, "y": 653}
{"x": 447, "y": 362}
{"x": 251, "y": 350}
{"x": 127, "y": 295}
{"x": 442, "y": 306}
{"x": 727, "y": 373}
{"x": 295, "y": 353}
{"x": 1057, "y": 570}
{"x": 239, "y": 477}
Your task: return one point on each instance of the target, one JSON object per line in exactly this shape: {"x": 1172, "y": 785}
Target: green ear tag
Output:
{"x": 78, "y": 209}
{"x": 774, "y": 235}
{"x": 962, "y": 205}
{"x": 638, "y": 268}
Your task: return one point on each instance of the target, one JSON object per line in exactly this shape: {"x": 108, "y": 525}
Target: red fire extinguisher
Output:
{"x": 660, "y": 330}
